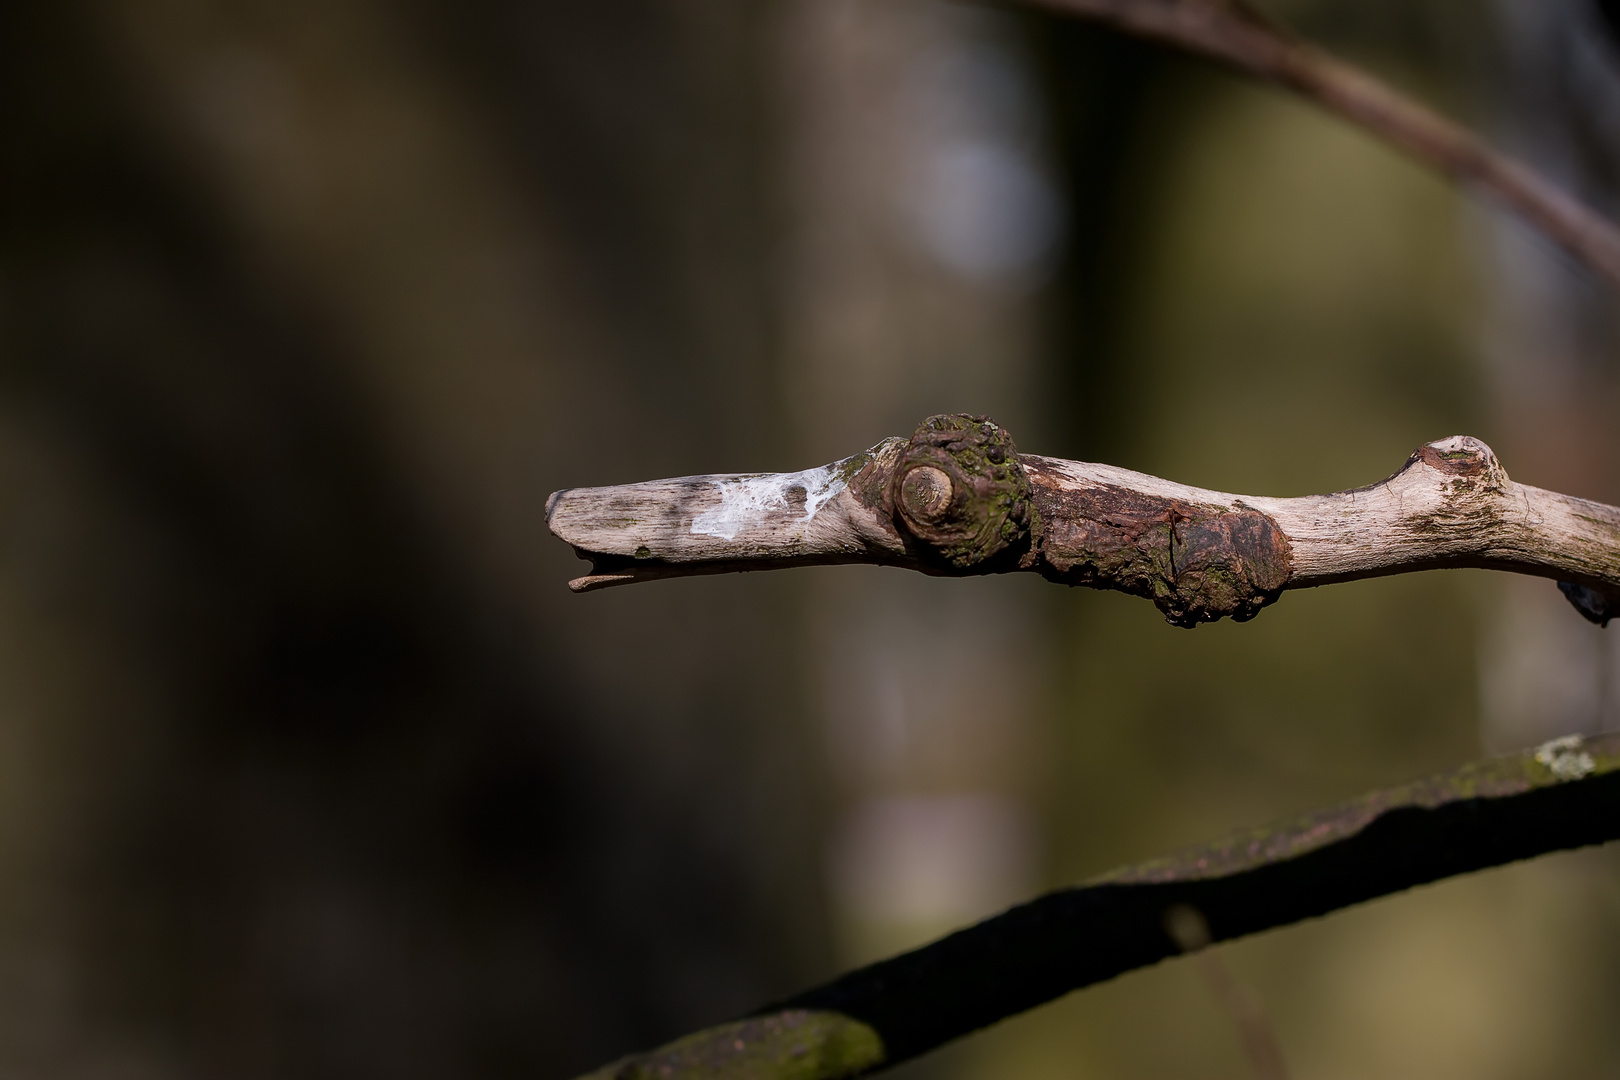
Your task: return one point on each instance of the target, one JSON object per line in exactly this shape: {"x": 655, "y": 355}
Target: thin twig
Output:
{"x": 1565, "y": 794}
{"x": 1230, "y": 32}
{"x": 1190, "y": 931}
{"x": 957, "y": 498}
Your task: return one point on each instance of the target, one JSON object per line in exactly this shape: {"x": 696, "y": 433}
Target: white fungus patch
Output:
{"x": 1564, "y": 757}
{"x": 745, "y": 500}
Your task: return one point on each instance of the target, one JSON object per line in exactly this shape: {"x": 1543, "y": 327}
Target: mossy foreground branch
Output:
{"x": 958, "y": 498}
{"x": 1565, "y": 794}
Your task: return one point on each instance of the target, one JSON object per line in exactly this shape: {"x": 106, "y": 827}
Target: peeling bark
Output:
{"x": 957, "y": 498}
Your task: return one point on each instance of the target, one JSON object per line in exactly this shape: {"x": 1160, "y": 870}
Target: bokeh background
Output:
{"x": 311, "y": 767}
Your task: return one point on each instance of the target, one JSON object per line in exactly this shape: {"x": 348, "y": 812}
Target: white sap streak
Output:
{"x": 744, "y": 501}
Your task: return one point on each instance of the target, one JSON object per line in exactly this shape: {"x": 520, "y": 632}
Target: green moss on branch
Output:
{"x": 1563, "y": 794}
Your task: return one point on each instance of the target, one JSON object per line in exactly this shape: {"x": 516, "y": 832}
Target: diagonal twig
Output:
{"x": 1562, "y": 795}
{"x": 957, "y": 498}
{"x": 1234, "y": 34}
{"x": 1190, "y": 931}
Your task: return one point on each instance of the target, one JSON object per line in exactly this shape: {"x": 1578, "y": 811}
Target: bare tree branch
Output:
{"x": 1228, "y": 31}
{"x": 1562, "y": 795}
{"x": 957, "y": 498}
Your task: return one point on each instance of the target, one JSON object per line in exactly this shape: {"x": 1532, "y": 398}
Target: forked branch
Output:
{"x": 957, "y": 498}
{"x": 1565, "y": 794}
{"x": 1230, "y": 32}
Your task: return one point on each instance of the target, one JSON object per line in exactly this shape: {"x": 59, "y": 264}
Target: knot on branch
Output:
{"x": 1230, "y": 564}
{"x": 1197, "y": 563}
{"x": 1468, "y": 465}
{"x": 961, "y": 491}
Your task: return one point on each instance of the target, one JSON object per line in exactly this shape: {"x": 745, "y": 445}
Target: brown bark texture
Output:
{"x": 957, "y": 498}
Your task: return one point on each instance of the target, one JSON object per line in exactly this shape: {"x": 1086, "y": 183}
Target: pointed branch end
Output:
{"x": 608, "y": 571}
{"x": 593, "y": 582}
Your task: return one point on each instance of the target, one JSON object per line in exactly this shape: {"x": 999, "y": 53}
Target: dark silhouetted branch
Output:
{"x": 1228, "y": 31}
{"x": 957, "y": 498}
{"x": 1565, "y": 794}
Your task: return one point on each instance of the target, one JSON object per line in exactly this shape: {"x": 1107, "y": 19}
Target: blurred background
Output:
{"x": 311, "y": 767}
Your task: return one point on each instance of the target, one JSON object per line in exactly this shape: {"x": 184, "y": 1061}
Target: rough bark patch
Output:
{"x": 1196, "y": 563}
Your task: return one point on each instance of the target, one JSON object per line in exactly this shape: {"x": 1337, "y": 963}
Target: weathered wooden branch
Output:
{"x": 1230, "y": 32}
{"x": 1563, "y": 795}
{"x": 957, "y": 498}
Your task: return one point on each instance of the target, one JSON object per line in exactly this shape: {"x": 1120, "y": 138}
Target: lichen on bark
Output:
{"x": 792, "y": 1044}
{"x": 985, "y": 509}
{"x": 1560, "y": 795}
{"x": 965, "y": 500}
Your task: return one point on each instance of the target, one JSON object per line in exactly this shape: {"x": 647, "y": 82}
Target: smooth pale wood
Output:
{"x": 1420, "y": 518}
{"x": 723, "y": 522}
{"x": 1451, "y": 505}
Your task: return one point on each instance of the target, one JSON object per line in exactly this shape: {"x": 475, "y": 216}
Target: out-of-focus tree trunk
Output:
{"x": 303, "y": 309}
{"x": 1554, "y": 349}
